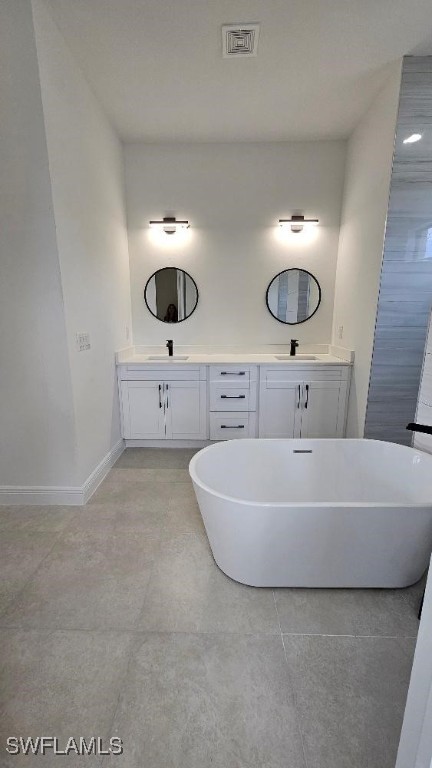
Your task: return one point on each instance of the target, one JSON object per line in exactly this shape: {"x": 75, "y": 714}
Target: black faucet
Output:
{"x": 294, "y": 345}
{"x": 170, "y": 345}
{"x": 425, "y": 428}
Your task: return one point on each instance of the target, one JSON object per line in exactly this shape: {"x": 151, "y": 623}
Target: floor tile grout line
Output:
{"x": 31, "y": 576}
{"x": 122, "y": 686}
{"x": 296, "y": 706}
{"x": 277, "y": 612}
{"x": 329, "y": 634}
{"x": 360, "y": 637}
{"x": 293, "y": 689}
{"x": 137, "y": 631}
{"x": 147, "y": 588}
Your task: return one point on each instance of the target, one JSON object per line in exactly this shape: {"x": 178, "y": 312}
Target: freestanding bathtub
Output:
{"x": 316, "y": 513}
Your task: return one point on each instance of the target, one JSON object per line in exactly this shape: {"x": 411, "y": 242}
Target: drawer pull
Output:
{"x": 227, "y": 426}
{"x": 233, "y": 397}
{"x": 233, "y": 373}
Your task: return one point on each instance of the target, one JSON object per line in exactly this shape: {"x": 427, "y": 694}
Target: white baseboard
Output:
{"x": 61, "y": 495}
{"x": 102, "y": 469}
{"x": 167, "y": 443}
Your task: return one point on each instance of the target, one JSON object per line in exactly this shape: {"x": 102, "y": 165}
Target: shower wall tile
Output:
{"x": 405, "y": 296}
{"x": 399, "y": 434}
{"x": 407, "y": 344}
{"x": 379, "y": 402}
{"x": 417, "y": 64}
{"x": 396, "y": 337}
{"x": 386, "y": 375}
{"x": 419, "y": 290}
{"x": 392, "y": 314}
{"x": 408, "y": 268}
{"x": 407, "y": 357}
{"x": 391, "y": 415}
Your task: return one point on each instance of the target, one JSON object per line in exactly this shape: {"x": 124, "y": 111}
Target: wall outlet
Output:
{"x": 340, "y": 332}
{"x": 82, "y": 341}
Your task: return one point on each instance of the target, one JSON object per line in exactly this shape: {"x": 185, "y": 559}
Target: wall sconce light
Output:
{"x": 297, "y": 223}
{"x": 169, "y": 225}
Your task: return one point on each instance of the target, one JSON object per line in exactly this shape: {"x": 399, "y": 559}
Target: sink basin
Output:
{"x": 168, "y": 359}
{"x": 296, "y": 357}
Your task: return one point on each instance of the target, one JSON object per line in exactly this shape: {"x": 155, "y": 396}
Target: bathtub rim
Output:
{"x": 289, "y": 504}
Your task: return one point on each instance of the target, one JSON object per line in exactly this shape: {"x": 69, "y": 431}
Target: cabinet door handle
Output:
{"x": 233, "y": 373}
{"x": 228, "y": 426}
{"x": 307, "y": 396}
{"x": 167, "y": 401}
{"x": 233, "y": 397}
{"x": 160, "y": 398}
{"x": 298, "y": 395}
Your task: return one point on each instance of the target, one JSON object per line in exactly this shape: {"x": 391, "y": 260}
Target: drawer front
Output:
{"x": 303, "y": 373}
{"x": 229, "y": 374}
{"x": 166, "y": 373}
{"x": 224, "y": 398}
{"x": 226, "y": 426}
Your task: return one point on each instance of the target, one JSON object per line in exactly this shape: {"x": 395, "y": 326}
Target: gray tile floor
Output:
{"x": 115, "y": 621}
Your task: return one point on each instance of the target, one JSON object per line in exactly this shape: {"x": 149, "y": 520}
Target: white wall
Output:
{"x": 37, "y": 440}
{"x": 233, "y": 196}
{"x": 366, "y": 193}
{"x": 86, "y": 167}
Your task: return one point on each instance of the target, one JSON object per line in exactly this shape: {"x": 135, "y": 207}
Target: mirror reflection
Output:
{"x": 171, "y": 295}
{"x": 293, "y": 296}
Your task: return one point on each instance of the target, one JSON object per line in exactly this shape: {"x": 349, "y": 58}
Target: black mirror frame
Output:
{"x": 294, "y": 269}
{"x": 162, "y": 269}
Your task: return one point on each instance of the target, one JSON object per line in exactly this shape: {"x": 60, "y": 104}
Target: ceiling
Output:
{"x": 157, "y": 67}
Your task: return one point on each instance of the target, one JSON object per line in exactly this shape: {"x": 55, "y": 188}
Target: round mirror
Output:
{"x": 293, "y": 296}
{"x": 171, "y": 295}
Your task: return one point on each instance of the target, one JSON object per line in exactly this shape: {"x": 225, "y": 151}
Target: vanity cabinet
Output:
{"x": 321, "y": 411}
{"x": 280, "y": 414}
{"x": 186, "y": 410}
{"x": 164, "y": 405}
{"x": 303, "y": 403}
{"x": 198, "y": 402}
{"x": 233, "y": 401}
{"x": 143, "y": 414}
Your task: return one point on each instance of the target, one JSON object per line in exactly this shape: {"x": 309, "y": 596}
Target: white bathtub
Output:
{"x": 316, "y": 513}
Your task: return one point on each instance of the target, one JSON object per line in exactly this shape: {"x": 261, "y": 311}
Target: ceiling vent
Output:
{"x": 239, "y": 40}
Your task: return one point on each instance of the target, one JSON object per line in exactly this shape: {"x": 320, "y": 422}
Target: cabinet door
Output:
{"x": 279, "y": 408}
{"x": 142, "y": 408}
{"x": 186, "y": 410}
{"x": 321, "y": 411}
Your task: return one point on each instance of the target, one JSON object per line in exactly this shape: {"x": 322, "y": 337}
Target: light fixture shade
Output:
{"x": 297, "y": 222}
{"x": 169, "y": 224}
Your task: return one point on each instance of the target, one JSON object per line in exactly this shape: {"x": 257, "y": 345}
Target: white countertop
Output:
{"x": 223, "y": 358}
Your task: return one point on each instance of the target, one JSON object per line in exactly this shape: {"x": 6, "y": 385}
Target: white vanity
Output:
{"x": 190, "y": 399}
